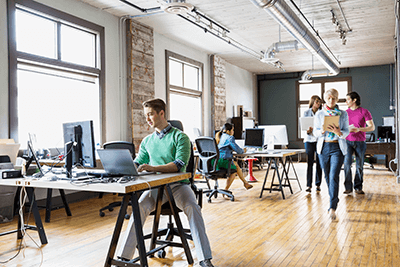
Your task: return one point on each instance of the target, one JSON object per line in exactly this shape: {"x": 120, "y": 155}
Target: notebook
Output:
{"x": 119, "y": 162}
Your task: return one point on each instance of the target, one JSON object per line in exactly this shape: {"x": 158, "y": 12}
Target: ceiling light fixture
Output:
{"x": 176, "y": 7}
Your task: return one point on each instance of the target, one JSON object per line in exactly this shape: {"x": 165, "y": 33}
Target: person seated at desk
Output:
{"x": 167, "y": 150}
{"x": 226, "y": 145}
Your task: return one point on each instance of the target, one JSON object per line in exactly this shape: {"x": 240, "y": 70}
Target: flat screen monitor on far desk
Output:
{"x": 274, "y": 135}
{"x": 254, "y": 138}
{"x": 385, "y": 133}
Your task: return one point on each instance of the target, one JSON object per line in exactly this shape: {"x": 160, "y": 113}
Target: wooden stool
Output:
{"x": 250, "y": 178}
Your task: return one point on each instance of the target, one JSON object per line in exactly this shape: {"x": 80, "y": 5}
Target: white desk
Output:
{"x": 129, "y": 190}
{"x": 278, "y": 155}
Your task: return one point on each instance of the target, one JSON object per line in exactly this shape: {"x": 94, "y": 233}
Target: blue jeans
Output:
{"x": 311, "y": 150}
{"x": 358, "y": 148}
{"x": 331, "y": 159}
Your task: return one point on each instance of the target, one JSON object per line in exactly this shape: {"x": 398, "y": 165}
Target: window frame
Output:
{"x": 15, "y": 56}
{"x": 322, "y": 82}
{"x": 182, "y": 90}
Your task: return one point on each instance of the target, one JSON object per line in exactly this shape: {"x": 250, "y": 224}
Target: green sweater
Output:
{"x": 175, "y": 145}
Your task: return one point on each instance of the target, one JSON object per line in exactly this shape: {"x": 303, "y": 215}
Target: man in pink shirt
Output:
{"x": 360, "y": 122}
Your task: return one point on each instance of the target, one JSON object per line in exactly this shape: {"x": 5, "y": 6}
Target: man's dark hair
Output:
{"x": 354, "y": 95}
{"x": 157, "y": 104}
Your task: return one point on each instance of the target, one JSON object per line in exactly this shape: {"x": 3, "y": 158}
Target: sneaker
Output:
{"x": 308, "y": 189}
{"x": 348, "y": 191}
{"x": 318, "y": 188}
{"x": 359, "y": 191}
{"x": 206, "y": 263}
{"x": 332, "y": 214}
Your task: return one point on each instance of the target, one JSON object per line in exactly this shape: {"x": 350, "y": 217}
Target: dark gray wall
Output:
{"x": 277, "y": 96}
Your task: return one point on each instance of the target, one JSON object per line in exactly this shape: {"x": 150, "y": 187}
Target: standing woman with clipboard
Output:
{"x": 331, "y": 143}
{"x": 310, "y": 144}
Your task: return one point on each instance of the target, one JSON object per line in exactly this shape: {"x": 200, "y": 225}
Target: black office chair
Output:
{"x": 117, "y": 145}
{"x": 170, "y": 231}
{"x": 209, "y": 154}
{"x": 369, "y": 158}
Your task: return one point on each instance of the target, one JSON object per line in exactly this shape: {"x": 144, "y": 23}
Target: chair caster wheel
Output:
{"x": 102, "y": 214}
{"x": 232, "y": 199}
{"x": 209, "y": 200}
{"x": 127, "y": 216}
{"x": 161, "y": 254}
{"x": 110, "y": 209}
{"x": 207, "y": 194}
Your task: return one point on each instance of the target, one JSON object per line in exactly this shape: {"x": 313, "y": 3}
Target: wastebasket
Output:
{"x": 6, "y": 207}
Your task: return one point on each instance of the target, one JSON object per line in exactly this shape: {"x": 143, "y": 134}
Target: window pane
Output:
{"x": 306, "y": 91}
{"x": 340, "y": 86}
{"x": 35, "y": 35}
{"x": 175, "y": 73}
{"x": 302, "y": 108}
{"x": 45, "y": 102}
{"x": 191, "y": 76}
{"x": 191, "y": 118}
{"x": 78, "y": 46}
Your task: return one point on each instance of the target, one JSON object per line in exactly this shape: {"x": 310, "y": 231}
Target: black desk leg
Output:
{"x": 117, "y": 231}
{"x": 49, "y": 207}
{"x": 285, "y": 174}
{"x": 35, "y": 211}
{"x": 64, "y": 200}
{"x": 265, "y": 178}
{"x": 279, "y": 178}
{"x": 156, "y": 218}
{"x": 294, "y": 170}
{"x": 179, "y": 225}
{"x": 139, "y": 230}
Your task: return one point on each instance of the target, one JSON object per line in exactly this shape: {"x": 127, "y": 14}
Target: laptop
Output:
{"x": 119, "y": 162}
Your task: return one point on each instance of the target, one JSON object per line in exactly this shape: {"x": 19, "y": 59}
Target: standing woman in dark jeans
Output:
{"x": 310, "y": 144}
{"x": 331, "y": 145}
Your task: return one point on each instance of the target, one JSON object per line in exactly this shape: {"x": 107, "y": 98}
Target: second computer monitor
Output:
{"x": 254, "y": 138}
{"x": 277, "y": 133}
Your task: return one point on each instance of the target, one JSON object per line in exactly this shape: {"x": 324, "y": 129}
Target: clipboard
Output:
{"x": 329, "y": 120}
{"x": 306, "y": 123}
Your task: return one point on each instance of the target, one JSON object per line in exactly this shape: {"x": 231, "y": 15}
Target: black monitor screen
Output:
{"x": 254, "y": 137}
{"x": 82, "y": 137}
{"x": 385, "y": 132}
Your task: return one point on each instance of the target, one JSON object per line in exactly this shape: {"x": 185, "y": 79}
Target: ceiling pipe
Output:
{"x": 269, "y": 55}
{"x": 309, "y": 74}
{"x": 285, "y": 16}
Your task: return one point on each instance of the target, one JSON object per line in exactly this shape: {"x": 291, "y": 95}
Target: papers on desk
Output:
{"x": 306, "y": 123}
{"x": 330, "y": 120}
{"x": 9, "y": 148}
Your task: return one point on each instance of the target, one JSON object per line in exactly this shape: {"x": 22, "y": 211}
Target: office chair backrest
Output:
{"x": 177, "y": 124}
{"x": 208, "y": 154}
{"x": 121, "y": 145}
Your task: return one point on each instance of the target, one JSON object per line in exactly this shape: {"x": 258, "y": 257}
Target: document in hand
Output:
{"x": 330, "y": 120}
{"x": 306, "y": 123}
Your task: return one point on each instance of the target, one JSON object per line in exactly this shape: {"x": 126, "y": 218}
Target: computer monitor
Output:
{"x": 79, "y": 145}
{"x": 254, "y": 137}
{"x": 385, "y": 132}
{"x": 277, "y": 133}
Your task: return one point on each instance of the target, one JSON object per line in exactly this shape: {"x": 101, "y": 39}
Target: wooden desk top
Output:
{"x": 142, "y": 182}
{"x": 277, "y": 153}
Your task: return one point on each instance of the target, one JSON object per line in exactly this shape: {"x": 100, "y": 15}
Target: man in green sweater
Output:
{"x": 167, "y": 149}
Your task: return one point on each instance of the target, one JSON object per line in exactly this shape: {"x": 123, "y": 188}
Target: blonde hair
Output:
{"x": 333, "y": 92}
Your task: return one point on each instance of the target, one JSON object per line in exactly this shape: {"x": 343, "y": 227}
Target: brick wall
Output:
{"x": 218, "y": 92}
{"x": 140, "y": 53}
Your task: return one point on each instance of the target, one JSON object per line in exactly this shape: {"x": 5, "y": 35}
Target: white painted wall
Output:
{"x": 240, "y": 90}
{"x": 3, "y": 71}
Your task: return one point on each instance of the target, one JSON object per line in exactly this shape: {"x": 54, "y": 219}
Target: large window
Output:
{"x": 184, "y": 92}
{"x": 56, "y": 73}
{"x": 306, "y": 90}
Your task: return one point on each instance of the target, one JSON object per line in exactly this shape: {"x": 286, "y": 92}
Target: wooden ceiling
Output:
{"x": 370, "y": 42}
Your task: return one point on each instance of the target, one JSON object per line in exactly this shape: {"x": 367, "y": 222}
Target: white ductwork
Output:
{"x": 285, "y": 16}
{"x": 269, "y": 55}
{"x": 307, "y": 75}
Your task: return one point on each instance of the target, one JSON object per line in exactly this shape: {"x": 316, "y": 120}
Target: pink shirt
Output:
{"x": 358, "y": 118}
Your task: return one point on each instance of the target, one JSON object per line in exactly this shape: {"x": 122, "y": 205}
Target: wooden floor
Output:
{"x": 250, "y": 231}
